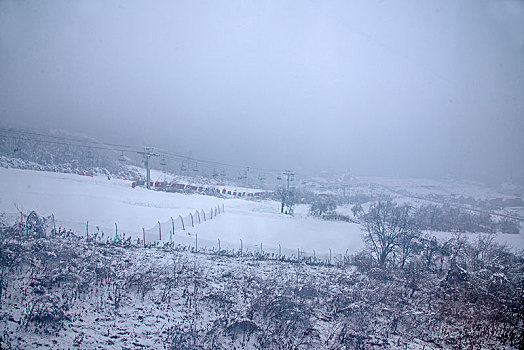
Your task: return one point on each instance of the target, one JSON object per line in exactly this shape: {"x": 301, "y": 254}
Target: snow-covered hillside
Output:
{"x": 75, "y": 200}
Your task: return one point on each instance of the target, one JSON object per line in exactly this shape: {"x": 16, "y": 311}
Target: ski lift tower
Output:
{"x": 245, "y": 176}
{"x": 148, "y": 153}
{"x": 290, "y": 176}
{"x": 163, "y": 164}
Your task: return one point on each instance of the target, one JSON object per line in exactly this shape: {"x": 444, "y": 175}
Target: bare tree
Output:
{"x": 389, "y": 227}
{"x": 357, "y": 209}
{"x": 288, "y": 200}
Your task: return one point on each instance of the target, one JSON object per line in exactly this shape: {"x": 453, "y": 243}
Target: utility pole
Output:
{"x": 148, "y": 153}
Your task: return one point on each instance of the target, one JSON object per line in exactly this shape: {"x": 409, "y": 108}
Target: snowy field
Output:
{"x": 75, "y": 199}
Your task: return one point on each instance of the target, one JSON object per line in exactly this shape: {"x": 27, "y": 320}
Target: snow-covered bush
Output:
{"x": 47, "y": 313}
{"x": 323, "y": 205}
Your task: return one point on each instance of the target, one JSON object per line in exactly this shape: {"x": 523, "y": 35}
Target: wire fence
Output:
{"x": 164, "y": 230}
{"x": 162, "y": 235}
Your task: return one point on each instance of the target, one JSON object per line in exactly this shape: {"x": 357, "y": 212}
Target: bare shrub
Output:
{"x": 47, "y": 313}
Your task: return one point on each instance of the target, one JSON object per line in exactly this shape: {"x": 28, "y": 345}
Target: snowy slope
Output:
{"x": 75, "y": 199}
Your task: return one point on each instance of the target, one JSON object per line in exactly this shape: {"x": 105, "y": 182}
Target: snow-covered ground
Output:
{"x": 74, "y": 292}
{"x": 75, "y": 200}
{"x": 65, "y": 292}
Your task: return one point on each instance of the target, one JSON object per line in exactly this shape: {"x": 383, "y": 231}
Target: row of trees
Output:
{"x": 38, "y": 153}
{"x": 448, "y": 218}
{"x": 394, "y": 232}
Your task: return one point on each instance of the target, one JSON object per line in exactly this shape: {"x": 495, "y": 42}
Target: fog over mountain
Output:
{"x": 411, "y": 89}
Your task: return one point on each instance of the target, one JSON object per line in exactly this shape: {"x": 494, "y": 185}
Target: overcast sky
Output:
{"x": 385, "y": 88}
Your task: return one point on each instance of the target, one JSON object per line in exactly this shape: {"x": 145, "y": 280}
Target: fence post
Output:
{"x": 192, "y": 223}
{"x": 211, "y": 214}
{"x": 329, "y": 256}
{"x": 223, "y": 208}
{"x": 54, "y": 225}
{"x": 196, "y": 242}
{"x": 279, "y": 251}
{"x": 240, "y": 246}
{"x": 116, "y": 231}
{"x": 159, "y": 231}
{"x": 172, "y": 232}
{"x": 198, "y": 214}
{"x": 183, "y": 226}
{"x": 261, "y": 248}
{"x": 219, "y": 245}
{"x": 314, "y": 255}
{"x": 298, "y": 253}
{"x": 144, "y": 236}
{"x": 87, "y": 229}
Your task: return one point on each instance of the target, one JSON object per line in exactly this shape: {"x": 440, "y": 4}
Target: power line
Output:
{"x": 67, "y": 141}
{"x": 131, "y": 148}
{"x": 61, "y": 138}
{"x": 92, "y": 146}
{"x": 205, "y": 161}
